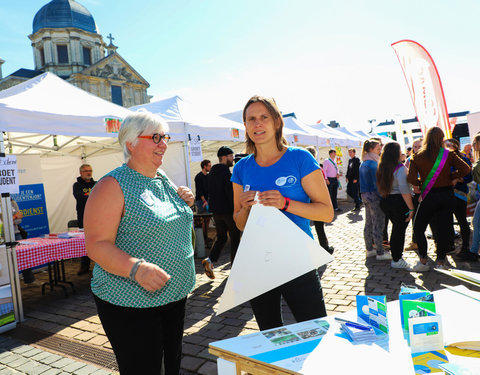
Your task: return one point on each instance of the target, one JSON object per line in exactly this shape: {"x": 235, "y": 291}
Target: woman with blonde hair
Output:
{"x": 472, "y": 255}
{"x": 430, "y": 174}
{"x": 374, "y": 216}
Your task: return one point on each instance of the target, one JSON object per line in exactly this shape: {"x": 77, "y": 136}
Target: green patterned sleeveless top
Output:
{"x": 156, "y": 226}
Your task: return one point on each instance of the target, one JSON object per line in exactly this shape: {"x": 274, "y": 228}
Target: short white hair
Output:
{"x": 136, "y": 124}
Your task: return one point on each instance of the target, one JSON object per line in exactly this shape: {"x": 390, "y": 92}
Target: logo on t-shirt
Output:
{"x": 286, "y": 181}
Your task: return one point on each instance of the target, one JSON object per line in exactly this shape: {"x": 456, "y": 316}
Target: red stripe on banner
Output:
{"x": 424, "y": 84}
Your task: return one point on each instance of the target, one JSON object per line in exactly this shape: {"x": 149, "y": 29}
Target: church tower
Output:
{"x": 66, "y": 41}
{"x": 65, "y": 38}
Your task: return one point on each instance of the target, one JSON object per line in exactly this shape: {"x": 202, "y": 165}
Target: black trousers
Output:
{"x": 333, "y": 189}
{"x": 144, "y": 338}
{"x": 438, "y": 204}
{"x": 460, "y": 212}
{"x": 322, "y": 237}
{"x": 303, "y": 295}
{"x": 353, "y": 190}
{"x": 395, "y": 209}
{"x": 224, "y": 223}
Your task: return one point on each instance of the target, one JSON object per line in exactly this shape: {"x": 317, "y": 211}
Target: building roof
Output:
{"x": 64, "y": 13}
{"x": 26, "y": 73}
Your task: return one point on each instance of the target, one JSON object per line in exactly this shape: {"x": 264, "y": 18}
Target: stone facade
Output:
{"x": 113, "y": 70}
{"x": 78, "y": 55}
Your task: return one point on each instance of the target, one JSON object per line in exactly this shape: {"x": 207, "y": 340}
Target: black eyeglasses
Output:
{"x": 156, "y": 138}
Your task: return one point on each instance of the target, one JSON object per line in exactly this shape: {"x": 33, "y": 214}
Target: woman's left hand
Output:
{"x": 272, "y": 198}
{"x": 410, "y": 216}
{"x": 186, "y": 194}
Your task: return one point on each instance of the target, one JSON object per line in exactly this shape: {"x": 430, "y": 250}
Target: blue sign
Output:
{"x": 31, "y": 201}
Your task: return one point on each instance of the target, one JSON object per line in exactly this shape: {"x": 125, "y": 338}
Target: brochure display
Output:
{"x": 321, "y": 346}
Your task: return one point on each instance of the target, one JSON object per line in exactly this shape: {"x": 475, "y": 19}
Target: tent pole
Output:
{"x": 9, "y": 237}
{"x": 185, "y": 154}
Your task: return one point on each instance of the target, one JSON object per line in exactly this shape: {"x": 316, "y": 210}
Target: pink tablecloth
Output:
{"x": 38, "y": 251}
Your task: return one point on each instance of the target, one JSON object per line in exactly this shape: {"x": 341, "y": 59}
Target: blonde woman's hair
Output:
{"x": 369, "y": 145}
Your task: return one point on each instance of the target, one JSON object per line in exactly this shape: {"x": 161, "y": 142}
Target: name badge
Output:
{"x": 147, "y": 199}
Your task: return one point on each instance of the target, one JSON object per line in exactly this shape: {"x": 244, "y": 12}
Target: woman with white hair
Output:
{"x": 138, "y": 230}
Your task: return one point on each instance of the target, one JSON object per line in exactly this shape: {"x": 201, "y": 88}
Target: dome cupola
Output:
{"x": 62, "y": 14}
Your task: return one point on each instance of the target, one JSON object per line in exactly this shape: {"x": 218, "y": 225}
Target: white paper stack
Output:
{"x": 359, "y": 333}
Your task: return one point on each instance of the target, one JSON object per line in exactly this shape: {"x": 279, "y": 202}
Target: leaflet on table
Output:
{"x": 285, "y": 346}
{"x": 373, "y": 310}
{"x": 468, "y": 276}
{"x": 429, "y": 362}
{"x": 27, "y": 242}
{"x": 455, "y": 369}
{"x": 463, "y": 290}
{"x": 413, "y": 294}
{"x": 425, "y": 333}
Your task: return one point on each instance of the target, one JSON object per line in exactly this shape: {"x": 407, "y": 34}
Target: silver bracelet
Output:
{"x": 134, "y": 269}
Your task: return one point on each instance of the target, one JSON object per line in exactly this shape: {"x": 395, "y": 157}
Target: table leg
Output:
{"x": 50, "y": 279}
{"x": 63, "y": 279}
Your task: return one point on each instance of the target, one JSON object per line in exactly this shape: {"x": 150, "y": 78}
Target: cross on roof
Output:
{"x": 110, "y": 37}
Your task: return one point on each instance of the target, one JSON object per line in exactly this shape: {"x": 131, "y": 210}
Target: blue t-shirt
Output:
{"x": 285, "y": 176}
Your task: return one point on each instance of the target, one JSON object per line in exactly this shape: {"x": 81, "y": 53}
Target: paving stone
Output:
{"x": 192, "y": 363}
{"x": 18, "y": 362}
{"x": 33, "y": 368}
{"x": 40, "y": 356}
{"x": 50, "y": 358}
{"x": 208, "y": 368}
{"x": 62, "y": 363}
{"x": 11, "y": 357}
{"x": 52, "y": 371}
{"x": 22, "y": 349}
{"x": 86, "y": 370}
{"x": 73, "y": 366}
{"x": 32, "y": 352}
{"x": 8, "y": 371}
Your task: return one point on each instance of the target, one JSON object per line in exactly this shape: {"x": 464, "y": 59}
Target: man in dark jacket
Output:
{"x": 201, "y": 195}
{"x": 81, "y": 192}
{"x": 353, "y": 185}
{"x": 220, "y": 203}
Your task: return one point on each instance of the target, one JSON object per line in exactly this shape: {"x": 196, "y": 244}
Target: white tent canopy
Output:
{"x": 48, "y": 115}
{"x": 47, "y": 104}
{"x": 185, "y": 118}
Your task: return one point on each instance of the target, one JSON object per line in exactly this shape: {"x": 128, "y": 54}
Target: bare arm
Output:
{"x": 409, "y": 202}
{"x": 103, "y": 212}
{"x": 319, "y": 209}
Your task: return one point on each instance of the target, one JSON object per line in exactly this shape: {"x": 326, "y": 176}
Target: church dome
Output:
{"x": 64, "y": 13}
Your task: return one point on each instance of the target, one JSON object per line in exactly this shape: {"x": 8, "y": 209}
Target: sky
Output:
{"x": 322, "y": 59}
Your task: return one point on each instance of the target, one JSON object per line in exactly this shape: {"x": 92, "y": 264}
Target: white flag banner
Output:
{"x": 273, "y": 251}
{"x": 195, "y": 150}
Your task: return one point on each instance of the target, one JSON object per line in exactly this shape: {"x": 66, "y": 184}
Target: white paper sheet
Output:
{"x": 273, "y": 251}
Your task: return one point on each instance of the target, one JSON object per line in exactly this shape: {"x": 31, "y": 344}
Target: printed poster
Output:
{"x": 195, "y": 150}
{"x": 31, "y": 196}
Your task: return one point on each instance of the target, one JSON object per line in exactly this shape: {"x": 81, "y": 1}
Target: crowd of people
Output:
{"x": 138, "y": 224}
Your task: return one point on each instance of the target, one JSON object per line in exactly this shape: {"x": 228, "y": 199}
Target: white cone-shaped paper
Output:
{"x": 273, "y": 251}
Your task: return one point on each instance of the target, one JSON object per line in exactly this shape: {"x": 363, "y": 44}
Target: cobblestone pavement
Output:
{"x": 55, "y": 319}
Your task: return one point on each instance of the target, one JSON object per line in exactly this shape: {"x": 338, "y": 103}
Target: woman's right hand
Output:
{"x": 247, "y": 199}
{"x": 151, "y": 277}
